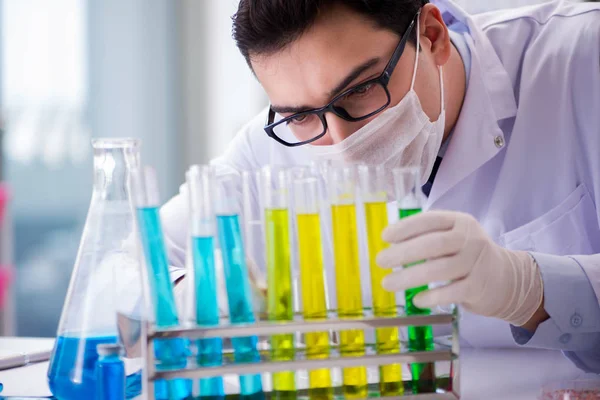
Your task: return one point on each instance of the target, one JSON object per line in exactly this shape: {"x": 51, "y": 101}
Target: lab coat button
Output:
{"x": 564, "y": 339}
{"x": 499, "y": 141}
{"x": 576, "y": 320}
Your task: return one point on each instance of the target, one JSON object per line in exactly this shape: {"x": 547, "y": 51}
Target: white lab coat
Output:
{"x": 524, "y": 157}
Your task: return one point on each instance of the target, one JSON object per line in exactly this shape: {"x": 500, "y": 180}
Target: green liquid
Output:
{"x": 420, "y": 338}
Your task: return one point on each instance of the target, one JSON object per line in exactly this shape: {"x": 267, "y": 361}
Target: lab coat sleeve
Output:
{"x": 239, "y": 156}
{"x": 574, "y": 309}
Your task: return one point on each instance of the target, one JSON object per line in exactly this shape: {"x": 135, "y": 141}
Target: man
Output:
{"x": 502, "y": 113}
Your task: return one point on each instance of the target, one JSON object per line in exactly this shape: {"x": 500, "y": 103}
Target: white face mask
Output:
{"x": 401, "y": 136}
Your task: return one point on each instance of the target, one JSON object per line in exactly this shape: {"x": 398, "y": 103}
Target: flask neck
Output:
{"x": 113, "y": 161}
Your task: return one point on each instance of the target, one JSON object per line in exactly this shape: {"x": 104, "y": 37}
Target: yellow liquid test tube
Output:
{"x": 279, "y": 273}
{"x": 341, "y": 183}
{"x": 384, "y": 302}
{"x": 373, "y": 193}
{"x": 312, "y": 279}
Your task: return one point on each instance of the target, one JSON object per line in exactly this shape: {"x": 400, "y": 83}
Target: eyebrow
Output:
{"x": 355, "y": 73}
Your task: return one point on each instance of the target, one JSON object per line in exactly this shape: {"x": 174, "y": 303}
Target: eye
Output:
{"x": 360, "y": 91}
{"x": 298, "y": 120}
{"x": 363, "y": 89}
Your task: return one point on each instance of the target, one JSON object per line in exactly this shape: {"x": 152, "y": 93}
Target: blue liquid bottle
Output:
{"x": 172, "y": 353}
{"x": 89, "y": 313}
{"x": 202, "y": 275}
{"x": 110, "y": 373}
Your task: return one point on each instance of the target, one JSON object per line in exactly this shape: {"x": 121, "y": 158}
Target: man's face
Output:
{"x": 307, "y": 73}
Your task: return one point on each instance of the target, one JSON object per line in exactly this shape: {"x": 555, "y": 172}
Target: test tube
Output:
{"x": 274, "y": 195}
{"x": 254, "y": 239}
{"x": 374, "y": 197}
{"x": 172, "y": 353}
{"x": 239, "y": 296}
{"x": 410, "y": 199}
{"x": 312, "y": 275}
{"x": 341, "y": 184}
{"x": 202, "y": 277}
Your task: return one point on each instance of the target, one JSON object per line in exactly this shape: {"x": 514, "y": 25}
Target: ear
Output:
{"x": 434, "y": 34}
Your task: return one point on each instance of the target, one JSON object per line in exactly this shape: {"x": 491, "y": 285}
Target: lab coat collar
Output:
{"x": 489, "y": 98}
{"x": 497, "y": 80}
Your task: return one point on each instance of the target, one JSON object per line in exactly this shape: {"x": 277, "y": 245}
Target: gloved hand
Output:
{"x": 483, "y": 277}
{"x": 258, "y": 285}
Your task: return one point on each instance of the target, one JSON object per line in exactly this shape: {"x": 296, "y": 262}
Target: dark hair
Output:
{"x": 267, "y": 26}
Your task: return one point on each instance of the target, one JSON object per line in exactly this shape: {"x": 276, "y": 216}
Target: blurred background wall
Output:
{"x": 165, "y": 71}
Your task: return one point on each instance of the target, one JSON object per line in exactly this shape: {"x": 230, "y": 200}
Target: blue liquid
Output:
{"x": 110, "y": 372}
{"x": 239, "y": 297}
{"x": 210, "y": 351}
{"x": 171, "y": 353}
{"x": 67, "y": 380}
{"x": 161, "y": 288}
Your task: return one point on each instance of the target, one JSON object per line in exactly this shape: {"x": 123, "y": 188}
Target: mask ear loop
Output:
{"x": 414, "y": 77}
{"x": 443, "y": 105}
{"x": 440, "y": 68}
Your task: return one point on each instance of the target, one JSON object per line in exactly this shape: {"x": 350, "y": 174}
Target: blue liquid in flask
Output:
{"x": 210, "y": 351}
{"x": 171, "y": 353}
{"x": 239, "y": 298}
{"x": 67, "y": 380}
{"x": 89, "y": 316}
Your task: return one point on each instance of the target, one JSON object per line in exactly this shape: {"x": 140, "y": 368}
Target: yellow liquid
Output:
{"x": 349, "y": 297}
{"x": 312, "y": 284}
{"x": 384, "y": 302}
{"x": 279, "y": 293}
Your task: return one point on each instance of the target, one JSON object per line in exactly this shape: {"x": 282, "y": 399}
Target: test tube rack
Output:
{"x": 447, "y": 352}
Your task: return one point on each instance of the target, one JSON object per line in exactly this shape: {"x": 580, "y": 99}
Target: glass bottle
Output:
{"x": 89, "y": 315}
{"x": 110, "y": 373}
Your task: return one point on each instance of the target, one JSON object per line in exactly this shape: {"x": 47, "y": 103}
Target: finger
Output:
{"x": 256, "y": 276}
{"x": 453, "y": 293}
{"x": 427, "y": 246}
{"x": 418, "y": 225}
{"x": 437, "y": 270}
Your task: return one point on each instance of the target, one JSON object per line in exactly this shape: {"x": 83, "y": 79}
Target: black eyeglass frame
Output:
{"x": 382, "y": 79}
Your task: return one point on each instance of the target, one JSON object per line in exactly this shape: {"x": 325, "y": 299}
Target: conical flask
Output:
{"x": 102, "y": 266}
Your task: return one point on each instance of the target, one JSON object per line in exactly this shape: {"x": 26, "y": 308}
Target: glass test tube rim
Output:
{"x": 274, "y": 187}
{"x": 115, "y": 143}
{"x": 372, "y": 183}
{"x": 413, "y": 196}
{"x": 200, "y": 178}
{"x": 225, "y": 203}
{"x": 305, "y": 191}
{"x": 342, "y": 190}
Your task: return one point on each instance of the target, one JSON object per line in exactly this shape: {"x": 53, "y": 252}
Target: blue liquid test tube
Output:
{"x": 239, "y": 295}
{"x": 203, "y": 280}
{"x": 172, "y": 353}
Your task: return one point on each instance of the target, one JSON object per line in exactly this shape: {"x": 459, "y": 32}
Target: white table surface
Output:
{"x": 500, "y": 374}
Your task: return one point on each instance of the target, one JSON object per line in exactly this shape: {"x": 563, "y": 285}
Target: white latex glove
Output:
{"x": 483, "y": 277}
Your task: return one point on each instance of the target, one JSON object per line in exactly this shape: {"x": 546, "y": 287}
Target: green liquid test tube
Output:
{"x": 341, "y": 184}
{"x": 312, "y": 278}
{"x": 274, "y": 183}
{"x": 374, "y": 197}
{"x": 420, "y": 338}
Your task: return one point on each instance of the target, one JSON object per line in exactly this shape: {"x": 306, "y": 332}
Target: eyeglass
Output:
{"x": 355, "y": 104}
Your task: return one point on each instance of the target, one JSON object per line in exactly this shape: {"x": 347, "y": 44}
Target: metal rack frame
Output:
{"x": 450, "y": 354}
